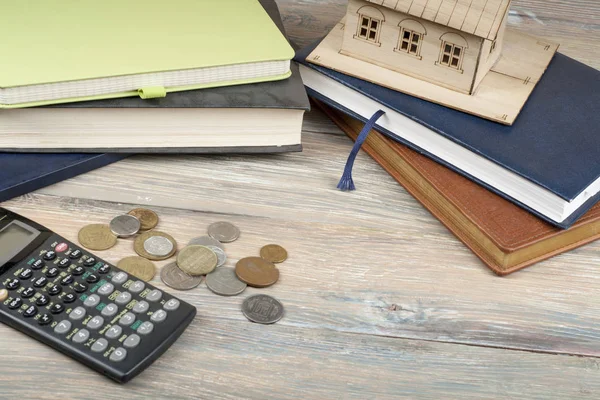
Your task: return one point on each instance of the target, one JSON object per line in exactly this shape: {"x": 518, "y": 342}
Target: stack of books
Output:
{"x": 515, "y": 195}
{"x": 86, "y": 84}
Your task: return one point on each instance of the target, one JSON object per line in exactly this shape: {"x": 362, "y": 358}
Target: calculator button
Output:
{"x": 77, "y": 314}
{"x": 118, "y": 355}
{"x": 78, "y": 271}
{"x": 63, "y": 327}
{"x": 141, "y": 307}
{"x": 80, "y": 287}
{"x": 57, "y": 308}
{"x": 69, "y": 298}
{"x": 146, "y": 328}
{"x": 127, "y": 319}
{"x": 123, "y": 298}
{"x": 154, "y": 295}
{"x": 172, "y": 305}
{"x": 132, "y": 341}
{"x": 45, "y": 319}
{"x": 114, "y": 332}
{"x": 42, "y": 300}
{"x": 100, "y": 345}
{"x": 75, "y": 254}
{"x": 92, "y": 301}
{"x": 81, "y": 336}
{"x": 61, "y": 247}
{"x": 28, "y": 293}
{"x": 159, "y": 316}
{"x": 52, "y": 272}
{"x": 67, "y": 280}
{"x": 54, "y": 290}
{"x": 110, "y": 310}
{"x": 92, "y": 278}
{"x": 95, "y": 323}
{"x": 26, "y": 274}
{"x": 137, "y": 287}
{"x": 30, "y": 312}
{"x": 106, "y": 289}
{"x": 40, "y": 282}
{"x": 14, "y": 284}
{"x": 120, "y": 278}
{"x": 38, "y": 264}
{"x": 50, "y": 255}
{"x": 64, "y": 263}
{"x": 15, "y": 303}
{"x": 104, "y": 269}
{"x": 89, "y": 262}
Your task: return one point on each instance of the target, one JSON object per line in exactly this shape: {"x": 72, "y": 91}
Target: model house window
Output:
{"x": 452, "y": 55}
{"x": 368, "y": 28}
{"x": 410, "y": 42}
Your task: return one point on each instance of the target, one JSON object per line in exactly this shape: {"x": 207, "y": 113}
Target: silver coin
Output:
{"x": 262, "y": 309}
{"x": 125, "y": 226}
{"x": 206, "y": 241}
{"x": 174, "y": 277}
{"x": 224, "y": 232}
{"x": 224, "y": 281}
{"x": 221, "y": 256}
{"x": 158, "y": 246}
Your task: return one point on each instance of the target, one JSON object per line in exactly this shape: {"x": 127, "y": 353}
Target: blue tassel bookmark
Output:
{"x": 346, "y": 183}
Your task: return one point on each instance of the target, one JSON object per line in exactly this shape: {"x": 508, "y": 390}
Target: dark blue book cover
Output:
{"x": 554, "y": 143}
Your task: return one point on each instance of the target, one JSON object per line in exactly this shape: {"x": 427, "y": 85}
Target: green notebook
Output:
{"x": 58, "y": 51}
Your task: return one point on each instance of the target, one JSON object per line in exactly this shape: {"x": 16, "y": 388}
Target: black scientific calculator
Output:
{"x": 69, "y": 299}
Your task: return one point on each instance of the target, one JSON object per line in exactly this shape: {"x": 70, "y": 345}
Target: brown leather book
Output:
{"x": 505, "y": 237}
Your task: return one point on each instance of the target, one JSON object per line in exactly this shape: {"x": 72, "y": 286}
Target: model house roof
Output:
{"x": 481, "y": 18}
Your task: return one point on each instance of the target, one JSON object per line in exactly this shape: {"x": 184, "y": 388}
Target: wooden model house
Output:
{"x": 452, "y": 43}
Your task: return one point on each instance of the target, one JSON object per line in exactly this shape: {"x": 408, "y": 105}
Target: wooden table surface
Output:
{"x": 381, "y": 300}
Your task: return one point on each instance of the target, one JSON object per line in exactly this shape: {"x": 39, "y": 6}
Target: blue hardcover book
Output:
{"x": 548, "y": 162}
{"x": 24, "y": 173}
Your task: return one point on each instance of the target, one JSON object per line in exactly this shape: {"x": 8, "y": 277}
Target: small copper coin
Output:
{"x": 257, "y": 272}
{"x": 138, "y": 245}
{"x": 197, "y": 260}
{"x": 148, "y": 218}
{"x": 138, "y": 267}
{"x": 274, "y": 253}
{"x": 97, "y": 237}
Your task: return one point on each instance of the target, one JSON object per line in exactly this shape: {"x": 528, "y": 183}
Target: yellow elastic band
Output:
{"x": 152, "y": 92}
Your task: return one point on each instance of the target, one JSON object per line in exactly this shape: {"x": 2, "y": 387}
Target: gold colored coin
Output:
{"x": 138, "y": 267}
{"x": 274, "y": 253}
{"x": 138, "y": 245}
{"x": 257, "y": 272}
{"x": 97, "y": 237}
{"x": 3, "y": 294}
{"x": 148, "y": 218}
{"x": 197, "y": 260}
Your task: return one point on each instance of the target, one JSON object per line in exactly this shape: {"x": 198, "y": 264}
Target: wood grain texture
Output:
{"x": 381, "y": 300}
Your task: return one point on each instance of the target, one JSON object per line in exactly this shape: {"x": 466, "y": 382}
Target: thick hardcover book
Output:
{"x": 58, "y": 51}
{"x": 547, "y": 162}
{"x": 505, "y": 237}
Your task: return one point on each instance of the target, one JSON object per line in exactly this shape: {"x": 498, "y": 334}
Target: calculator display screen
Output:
{"x": 14, "y": 238}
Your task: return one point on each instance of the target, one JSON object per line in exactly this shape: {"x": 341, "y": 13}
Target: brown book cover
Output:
{"x": 504, "y": 236}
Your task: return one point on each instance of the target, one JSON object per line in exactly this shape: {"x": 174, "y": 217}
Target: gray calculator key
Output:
{"x": 95, "y": 323}
{"x": 63, "y": 327}
{"x": 110, "y": 310}
{"x": 118, "y": 355}
{"x": 106, "y": 289}
{"x": 132, "y": 341}
{"x": 81, "y": 336}
{"x": 114, "y": 332}
{"x": 123, "y": 298}
{"x": 159, "y": 316}
{"x": 154, "y": 295}
{"x": 141, "y": 307}
{"x": 127, "y": 319}
{"x": 146, "y": 328}
{"x": 100, "y": 345}
{"x": 137, "y": 287}
{"x": 171, "y": 305}
{"x": 120, "y": 278}
{"x": 77, "y": 314}
{"x": 92, "y": 301}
